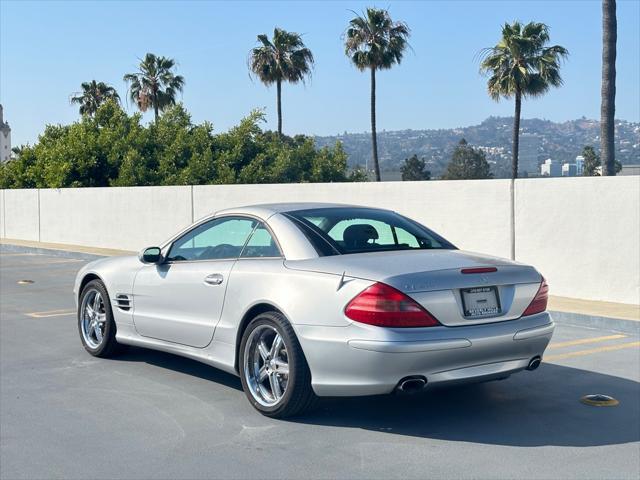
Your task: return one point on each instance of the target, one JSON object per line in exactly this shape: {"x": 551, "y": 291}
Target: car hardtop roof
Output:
{"x": 265, "y": 210}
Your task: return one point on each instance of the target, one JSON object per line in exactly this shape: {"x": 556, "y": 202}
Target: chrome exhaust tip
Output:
{"x": 411, "y": 384}
{"x": 534, "y": 363}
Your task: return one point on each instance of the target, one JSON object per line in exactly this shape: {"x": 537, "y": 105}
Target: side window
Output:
{"x": 218, "y": 239}
{"x": 405, "y": 238}
{"x": 261, "y": 244}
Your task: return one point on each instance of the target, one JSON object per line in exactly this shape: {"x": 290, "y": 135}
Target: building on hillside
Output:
{"x": 550, "y": 168}
{"x": 579, "y": 165}
{"x": 530, "y": 148}
{"x": 569, "y": 170}
{"x": 5, "y": 139}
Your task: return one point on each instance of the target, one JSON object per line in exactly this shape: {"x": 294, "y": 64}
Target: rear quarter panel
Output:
{"x": 305, "y": 298}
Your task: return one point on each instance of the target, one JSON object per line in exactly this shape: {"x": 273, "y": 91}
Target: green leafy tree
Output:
{"x": 373, "y": 41}
{"x": 155, "y": 84}
{"x": 20, "y": 172}
{"x": 358, "y": 174}
{"x": 521, "y": 65}
{"x": 592, "y": 164}
{"x": 284, "y": 58}
{"x": 591, "y": 161}
{"x": 608, "y": 91}
{"x": 467, "y": 163}
{"x": 112, "y": 148}
{"x": 414, "y": 169}
{"x": 93, "y": 95}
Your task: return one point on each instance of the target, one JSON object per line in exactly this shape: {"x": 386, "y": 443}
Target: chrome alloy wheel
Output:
{"x": 266, "y": 365}
{"x": 94, "y": 318}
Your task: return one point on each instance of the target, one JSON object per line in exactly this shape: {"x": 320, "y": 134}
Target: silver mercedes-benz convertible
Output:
{"x": 310, "y": 300}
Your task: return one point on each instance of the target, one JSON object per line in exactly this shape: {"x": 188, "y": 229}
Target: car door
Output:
{"x": 181, "y": 299}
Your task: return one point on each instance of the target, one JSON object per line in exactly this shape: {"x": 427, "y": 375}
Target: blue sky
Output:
{"x": 48, "y": 48}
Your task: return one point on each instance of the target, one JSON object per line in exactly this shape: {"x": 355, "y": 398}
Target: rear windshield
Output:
{"x": 335, "y": 231}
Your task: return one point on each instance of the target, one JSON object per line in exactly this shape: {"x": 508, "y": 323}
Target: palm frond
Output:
{"x": 521, "y": 61}
{"x": 155, "y": 84}
{"x": 374, "y": 40}
{"x": 93, "y": 95}
{"x": 284, "y": 57}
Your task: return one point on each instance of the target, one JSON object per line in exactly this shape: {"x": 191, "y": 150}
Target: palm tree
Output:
{"x": 284, "y": 58}
{"x": 154, "y": 84}
{"x": 608, "y": 91}
{"x": 93, "y": 95}
{"x": 522, "y": 65}
{"x": 375, "y": 42}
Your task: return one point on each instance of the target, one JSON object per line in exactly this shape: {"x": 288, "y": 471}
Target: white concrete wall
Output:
{"x": 583, "y": 234}
{"x": 20, "y": 212}
{"x": 121, "y": 218}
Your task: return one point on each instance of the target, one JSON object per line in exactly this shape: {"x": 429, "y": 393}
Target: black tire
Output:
{"x": 108, "y": 347}
{"x": 298, "y": 396}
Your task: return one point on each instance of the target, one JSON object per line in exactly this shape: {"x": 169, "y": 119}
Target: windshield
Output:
{"x": 335, "y": 231}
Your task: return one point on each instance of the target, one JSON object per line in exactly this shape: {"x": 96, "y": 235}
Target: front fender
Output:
{"x": 117, "y": 274}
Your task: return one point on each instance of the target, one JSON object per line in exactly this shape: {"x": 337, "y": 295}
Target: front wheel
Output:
{"x": 274, "y": 373}
{"x": 95, "y": 321}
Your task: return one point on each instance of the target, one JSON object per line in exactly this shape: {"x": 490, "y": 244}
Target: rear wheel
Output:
{"x": 274, "y": 373}
{"x": 95, "y": 321}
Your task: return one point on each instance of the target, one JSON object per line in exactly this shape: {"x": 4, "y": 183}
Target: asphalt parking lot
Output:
{"x": 65, "y": 414}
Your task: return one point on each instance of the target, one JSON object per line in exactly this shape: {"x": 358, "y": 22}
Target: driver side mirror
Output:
{"x": 151, "y": 255}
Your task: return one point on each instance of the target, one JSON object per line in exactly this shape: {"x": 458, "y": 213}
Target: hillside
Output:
{"x": 539, "y": 140}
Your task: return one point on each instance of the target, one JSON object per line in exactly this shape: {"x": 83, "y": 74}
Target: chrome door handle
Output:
{"x": 213, "y": 279}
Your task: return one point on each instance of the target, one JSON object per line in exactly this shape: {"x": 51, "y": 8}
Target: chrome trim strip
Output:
{"x": 409, "y": 347}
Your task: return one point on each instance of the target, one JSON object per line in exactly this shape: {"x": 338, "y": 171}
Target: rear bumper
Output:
{"x": 365, "y": 360}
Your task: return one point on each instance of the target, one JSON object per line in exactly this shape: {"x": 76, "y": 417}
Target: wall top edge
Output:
{"x": 527, "y": 181}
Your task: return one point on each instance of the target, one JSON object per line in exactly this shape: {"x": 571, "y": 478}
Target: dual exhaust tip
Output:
{"x": 411, "y": 384}
{"x": 534, "y": 363}
{"x": 417, "y": 383}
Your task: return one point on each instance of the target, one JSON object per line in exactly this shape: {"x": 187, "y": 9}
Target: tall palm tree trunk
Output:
{"x": 608, "y": 91}
{"x": 516, "y": 136}
{"x": 279, "y": 90}
{"x": 155, "y": 105}
{"x": 374, "y": 136}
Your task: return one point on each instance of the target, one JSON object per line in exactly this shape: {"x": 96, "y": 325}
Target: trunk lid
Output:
{"x": 435, "y": 280}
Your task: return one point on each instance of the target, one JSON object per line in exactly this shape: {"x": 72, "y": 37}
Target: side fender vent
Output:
{"x": 123, "y": 302}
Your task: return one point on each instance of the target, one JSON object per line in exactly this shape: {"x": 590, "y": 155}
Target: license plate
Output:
{"x": 480, "y": 302}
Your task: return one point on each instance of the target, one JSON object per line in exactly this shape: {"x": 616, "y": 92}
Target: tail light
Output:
{"x": 539, "y": 302}
{"x": 384, "y": 306}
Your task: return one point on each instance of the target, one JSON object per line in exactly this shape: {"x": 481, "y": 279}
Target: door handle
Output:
{"x": 213, "y": 279}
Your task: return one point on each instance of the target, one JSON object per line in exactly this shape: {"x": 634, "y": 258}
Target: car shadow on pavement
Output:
{"x": 529, "y": 409}
{"x": 540, "y": 408}
{"x": 181, "y": 365}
